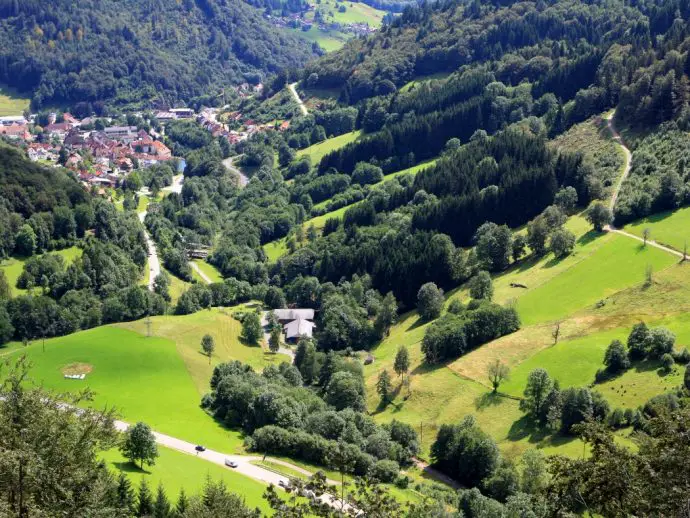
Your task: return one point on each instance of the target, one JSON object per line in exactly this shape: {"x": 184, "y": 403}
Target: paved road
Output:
{"x": 294, "y": 93}
{"x": 230, "y": 166}
{"x": 154, "y": 263}
{"x": 244, "y": 462}
{"x": 614, "y": 198}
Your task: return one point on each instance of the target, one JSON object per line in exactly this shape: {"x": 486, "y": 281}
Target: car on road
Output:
{"x": 199, "y": 447}
{"x": 231, "y": 463}
{"x": 285, "y": 484}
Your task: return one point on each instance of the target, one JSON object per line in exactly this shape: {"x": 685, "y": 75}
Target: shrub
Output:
{"x": 616, "y": 357}
{"x": 682, "y": 356}
{"x": 384, "y": 471}
{"x": 667, "y": 362}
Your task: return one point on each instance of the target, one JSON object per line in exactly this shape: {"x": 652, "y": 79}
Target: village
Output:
{"x": 102, "y": 152}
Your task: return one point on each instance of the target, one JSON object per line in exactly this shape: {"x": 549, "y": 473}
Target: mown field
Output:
{"x": 667, "y": 228}
{"x": 318, "y": 151}
{"x": 208, "y": 269}
{"x": 607, "y": 268}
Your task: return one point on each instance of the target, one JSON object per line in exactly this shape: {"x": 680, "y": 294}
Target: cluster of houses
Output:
{"x": 114, "y": 151}
{"x": 208, "y": 120}
{"x": 297, "y": 21}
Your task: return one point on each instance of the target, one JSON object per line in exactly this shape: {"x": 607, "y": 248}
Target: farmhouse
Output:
{"x": 296, "y": 323}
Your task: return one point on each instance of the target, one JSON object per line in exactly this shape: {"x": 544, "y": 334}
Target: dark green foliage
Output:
{"x": 464, "y": 452}
{"x": 453, "y": 335}
{"x": 579, "y": 405}
{"x": 481, "y": 287}
{"x": 429, "y": 301}
{"x": 285, "y": 418}
{"x": 251, "y": 327}
{"x": 638, "y": 341}
{"x": 616, "y": 357}
{"x": 196, "y": 46}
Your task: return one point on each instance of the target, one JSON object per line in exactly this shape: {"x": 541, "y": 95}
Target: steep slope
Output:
{"x": 129, "y": 51}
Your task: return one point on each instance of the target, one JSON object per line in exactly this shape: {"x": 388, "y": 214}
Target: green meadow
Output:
{"x": 12, "y": 103}
{"x": 175, "y": 470}
{"x": 14, "y": 266}
{"x": 144, "y": 378}
{"x": 667, "y": 228}
{"x": 209, "y": 270}
{"x": 318, "y": 151}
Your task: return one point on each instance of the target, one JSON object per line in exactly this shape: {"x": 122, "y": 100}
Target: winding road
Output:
{"x": 614, "y": 197}
{"x": 229, "y": 164}
{"x": 154, "y": 264}
{"x": 244, "y": 462}
{"x": 294, "y": 93}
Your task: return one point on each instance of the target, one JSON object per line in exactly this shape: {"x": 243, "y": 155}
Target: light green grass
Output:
{"x": 14, "y": 266}
{"x": 143, "y": 377}
{"x": 329, "y": 41}
{"x": 12, "y": 103}
{"x": 186, "y": 331}
{"x": 275, "y": 249}
{"x": 318, "y": 151}
{"x": 619, "y": 262}
{"x": 208, "y": 269}
{"x": 421, "y": 79}
{"x": 176, "y": 470}
{"x": 575, "y": 363}
{"x": 668, "y": 228}
{"x": 177, "y": 286}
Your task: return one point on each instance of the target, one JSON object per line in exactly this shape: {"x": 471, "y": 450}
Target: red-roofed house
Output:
{"x": 16, "y": 131}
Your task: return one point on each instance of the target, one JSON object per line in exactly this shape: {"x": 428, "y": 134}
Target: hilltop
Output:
{"x": 129, "y": 52}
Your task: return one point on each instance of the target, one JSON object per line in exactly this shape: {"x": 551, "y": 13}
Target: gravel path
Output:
{"x": 294, "y": 93}
{"x": 614, "y": 198}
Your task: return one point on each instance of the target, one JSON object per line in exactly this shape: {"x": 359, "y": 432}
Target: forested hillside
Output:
{"x": 45, "y": 213}
{"x": 129, "y": 52}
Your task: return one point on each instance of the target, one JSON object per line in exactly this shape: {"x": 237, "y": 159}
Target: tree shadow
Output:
{"x": 129, "y": 467}
{"x": 247, "y": 343}
{"x": 417, "y": 323}
{"x": 487, "y": 399}
{"x": 646, "y": 365}
{"x": 588, "y": 237}
{"x": 554, "y": 261}
{"x": 525, "y": 428}
{"x": 425, "y": 368}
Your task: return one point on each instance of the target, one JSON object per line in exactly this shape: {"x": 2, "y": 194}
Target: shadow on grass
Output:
{"x": 525, "y": 428}
{"x": 555, "y": 261}
{"x": 247, "y": 343}
{"x": 417, "y": 323}
{"x": 128, "y": 467}
{"x": 486, "y": 400}
{"x": 588, "y": 237}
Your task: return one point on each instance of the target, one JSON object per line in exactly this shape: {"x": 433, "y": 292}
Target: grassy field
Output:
{"x": 275, "y": 250}
{"x": 176, "y": 471}
{"x": 617, "y": 263}
{"x": 177, "y": 286}
{"x": 14, "y": 266}
{"x": 318, "y": 151}
{"x": 668, "y": 228}
{"x": 603, "y": 267}
{"x": 421, "y": 79}
{"x": 186, "y": 332}
{"x": 12, "y": 103}
{"x": 329, "y": 41}
{"x": 144, "y": 378}
{"x": 208, "y": 269}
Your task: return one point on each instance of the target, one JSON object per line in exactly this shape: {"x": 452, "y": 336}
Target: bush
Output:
{"x": 667, "y": 362}
{"x": 682, "y": 356}
{"x": 384, "y": 471}
{"x": 616, "y": 357}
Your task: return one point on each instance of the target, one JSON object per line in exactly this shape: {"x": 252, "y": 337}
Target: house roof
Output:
{"x": 299, "y": 327}
{"x": 294, "y": 314}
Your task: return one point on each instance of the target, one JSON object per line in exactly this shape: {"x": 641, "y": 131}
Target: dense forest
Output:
{"x": 43, "y": 210}
{"x": 136, "y": 52}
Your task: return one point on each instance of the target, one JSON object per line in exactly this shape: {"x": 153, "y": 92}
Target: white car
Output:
{"x": 230, "y": 463}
